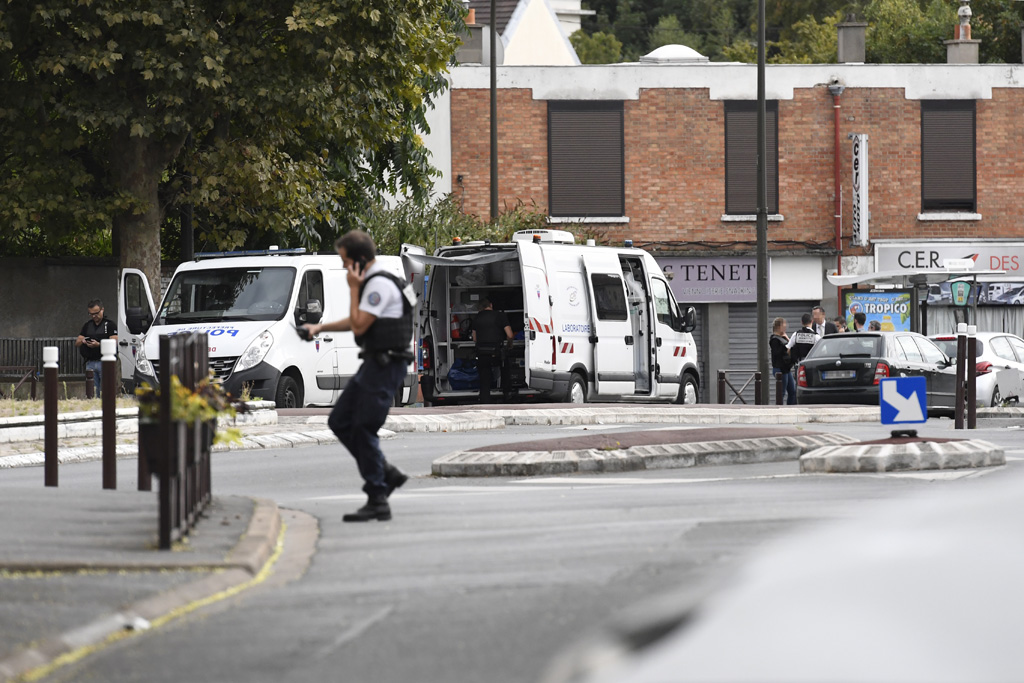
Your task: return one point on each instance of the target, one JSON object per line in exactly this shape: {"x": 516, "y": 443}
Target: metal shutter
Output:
{"x": 743, "y": 339}
{"x": 585, "y": 159}
{"x": 947, "y": 155}
{"x": 741, "y": 156}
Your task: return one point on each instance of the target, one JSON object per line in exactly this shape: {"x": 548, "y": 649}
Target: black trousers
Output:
{"x": 360, "y": 412}
{"x": 486, "y": 361}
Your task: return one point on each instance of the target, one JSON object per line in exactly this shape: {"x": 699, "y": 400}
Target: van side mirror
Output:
{"x": 688, "y": 319}
{"x": 138, "y": 322}
{"x": 312, "y": 314}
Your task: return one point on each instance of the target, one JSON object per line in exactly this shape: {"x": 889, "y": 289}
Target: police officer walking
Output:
{"x": 380, "y": 317}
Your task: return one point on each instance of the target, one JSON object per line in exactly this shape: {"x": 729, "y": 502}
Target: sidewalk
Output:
{"x": 80, "y": 568}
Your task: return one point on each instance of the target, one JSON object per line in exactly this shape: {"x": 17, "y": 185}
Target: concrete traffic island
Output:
{"x": 903, "y": 452}
{"x": 631, "y": 451}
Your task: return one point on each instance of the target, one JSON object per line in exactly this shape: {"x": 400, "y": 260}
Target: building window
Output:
{"x": 585, "y": 159}
{"x": 741, "y": 156}
{"x": 948, "y": 156}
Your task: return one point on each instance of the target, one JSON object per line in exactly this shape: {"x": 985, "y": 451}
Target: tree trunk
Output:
{"x": 139, "y": 164}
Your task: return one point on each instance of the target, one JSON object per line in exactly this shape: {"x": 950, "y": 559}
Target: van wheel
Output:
{"x": 687, "y": 390}
{"x": 997, "y": 398}
{"x": 289, "y": 395}
{"x": 577, "y": 389}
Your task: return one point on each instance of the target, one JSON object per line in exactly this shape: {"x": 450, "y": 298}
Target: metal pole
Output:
{"x": 167, "y": 368}
{"x": 108, "y": 358}
{"x": 50, "y": 355}
{"x": 972, "y": 377}
{"x": 961, "y": 360}
{"x": 90, "y": 390}
{"x": 721, "y": 387}
{"x": 778, "y": 389}
{"x": 494, "y": 113}
{"x": 758, "y": 390}
{"x": 762, "y": 211}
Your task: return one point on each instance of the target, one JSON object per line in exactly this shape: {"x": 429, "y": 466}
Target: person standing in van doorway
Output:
{"x": 491, "y": 332}
{"x": 96, "y": 329}
{"x": 380, "y": 317}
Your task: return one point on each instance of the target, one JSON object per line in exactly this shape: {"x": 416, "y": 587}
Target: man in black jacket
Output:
{"x": 95, "y": 330}
{"x": 821, "y": 326}
{"x": 491, "y": 331}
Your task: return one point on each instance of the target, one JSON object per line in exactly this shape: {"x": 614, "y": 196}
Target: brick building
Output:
{"x": 665, "y": 155}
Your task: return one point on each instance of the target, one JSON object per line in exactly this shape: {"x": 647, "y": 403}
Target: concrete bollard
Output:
{"x": 961, "y": 374}
{"x": 50, "y": 356}
{"x": 108, "y": 357}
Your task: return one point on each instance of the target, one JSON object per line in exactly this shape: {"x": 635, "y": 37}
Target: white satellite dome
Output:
{"x": 673, "y": 54}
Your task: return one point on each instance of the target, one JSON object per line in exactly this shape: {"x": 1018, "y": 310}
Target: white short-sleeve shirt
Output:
{"x": 381, "y": 297}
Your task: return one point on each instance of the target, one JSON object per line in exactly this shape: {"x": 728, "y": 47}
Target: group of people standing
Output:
{"x": 787, "y": 351}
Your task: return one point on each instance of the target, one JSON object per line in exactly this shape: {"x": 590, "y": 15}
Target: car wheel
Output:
{"x": 687, "y": 390}
{"x": 289, "y": 395}
{"x": 997, "y": 398}
{"x": 577, "y": 389}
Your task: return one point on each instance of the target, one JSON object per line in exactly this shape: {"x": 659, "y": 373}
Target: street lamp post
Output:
{"x": 762, "y": 214}
{"x": 494, "y": 114}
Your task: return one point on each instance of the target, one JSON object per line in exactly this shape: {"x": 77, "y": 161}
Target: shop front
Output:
{"x": 723, "y": 290}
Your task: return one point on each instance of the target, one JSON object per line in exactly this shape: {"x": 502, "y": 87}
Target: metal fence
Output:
{"x": 29, "y": 352}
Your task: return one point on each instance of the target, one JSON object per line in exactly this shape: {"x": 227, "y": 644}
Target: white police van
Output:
{"x": 249, "y": 303}
{"x": 590, "y": 323}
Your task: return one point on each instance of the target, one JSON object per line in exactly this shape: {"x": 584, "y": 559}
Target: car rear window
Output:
{"x": 853, "y": 345}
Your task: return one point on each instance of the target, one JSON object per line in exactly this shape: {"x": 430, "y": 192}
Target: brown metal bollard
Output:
{"x": 972, "y": 377}
{"x": 90, "y": 389}
{"x": 721, "y": 387}
{"x": 757, "y": 388}
{"x": 50, "y": 356}
{"x": 961, "y": 372}
{"x": 778, "y": 389}
{"x": 108, "y": 357}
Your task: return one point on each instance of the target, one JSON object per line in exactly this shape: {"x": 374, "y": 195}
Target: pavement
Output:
{"x": 80, "y": 569}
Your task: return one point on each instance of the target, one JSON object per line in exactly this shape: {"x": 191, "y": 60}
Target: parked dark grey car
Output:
{"x": 847, "y": 368}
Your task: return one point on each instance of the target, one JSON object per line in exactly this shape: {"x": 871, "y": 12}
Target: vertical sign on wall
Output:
{"x": 861, "y": 214}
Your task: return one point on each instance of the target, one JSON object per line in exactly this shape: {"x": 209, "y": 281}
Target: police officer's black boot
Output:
{"x": 394, "y": 478}
{"x": 376, "y": 508}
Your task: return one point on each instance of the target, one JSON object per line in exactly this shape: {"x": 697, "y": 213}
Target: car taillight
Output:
{"x": 801, "y": 376}
{"x": 984, "y": 367}
{"x": 425, "y": 345}
{"x": 881, "y": 372}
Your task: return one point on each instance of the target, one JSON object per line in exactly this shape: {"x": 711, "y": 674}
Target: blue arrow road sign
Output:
{"x": 903, "y": 400}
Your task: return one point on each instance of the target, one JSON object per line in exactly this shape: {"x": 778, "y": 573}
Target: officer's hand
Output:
{"x": 354, "y": 276}
{"x": 308, "y": 331}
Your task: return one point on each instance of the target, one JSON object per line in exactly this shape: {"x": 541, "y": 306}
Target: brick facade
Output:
{"x": 674, "y": 165}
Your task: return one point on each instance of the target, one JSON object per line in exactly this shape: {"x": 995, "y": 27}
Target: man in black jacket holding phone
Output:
{"x": 380, "y": 317}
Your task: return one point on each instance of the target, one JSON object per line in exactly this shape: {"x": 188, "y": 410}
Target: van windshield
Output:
{"x": 227, "y": 294}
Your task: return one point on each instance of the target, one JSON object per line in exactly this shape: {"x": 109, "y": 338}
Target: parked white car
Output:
{"x": 1000, "y": 363}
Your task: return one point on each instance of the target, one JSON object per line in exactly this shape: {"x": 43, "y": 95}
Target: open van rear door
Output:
{"x": 611, "y": 329}
{"x": 537, "y": 329}
{"x": 414, "y": 274}
{"x": 135, "y": 313}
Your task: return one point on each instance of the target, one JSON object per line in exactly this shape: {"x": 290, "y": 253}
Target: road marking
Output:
{"x": 355, "y": 631}
{"x": 590, "y": 428}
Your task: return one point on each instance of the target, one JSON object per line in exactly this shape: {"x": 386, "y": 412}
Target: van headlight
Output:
{"x": 256, "y": 352}
{"x": 142, "y": 364}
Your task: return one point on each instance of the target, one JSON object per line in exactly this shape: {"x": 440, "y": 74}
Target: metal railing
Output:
{"x": 723, "y": 382}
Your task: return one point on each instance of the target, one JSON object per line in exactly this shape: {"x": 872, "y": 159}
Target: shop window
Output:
{"x": 948, "y": 156}
{"x": 586, "y": 176}
{"x": 741, "y": 157}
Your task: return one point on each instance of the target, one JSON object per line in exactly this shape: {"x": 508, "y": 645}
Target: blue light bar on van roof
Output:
{"x": 250, "y": 252}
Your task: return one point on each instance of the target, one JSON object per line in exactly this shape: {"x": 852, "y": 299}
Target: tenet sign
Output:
{"x": 1008, "y": 256}
{"x": 712, "y": 280}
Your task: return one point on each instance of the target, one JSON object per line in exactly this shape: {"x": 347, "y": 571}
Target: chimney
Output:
{"x": 851, "y": 40}
{"x": 962, "y": 50}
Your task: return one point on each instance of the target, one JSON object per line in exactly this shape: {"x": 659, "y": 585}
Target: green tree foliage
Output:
{"x": 269, "y": 117}
{"x": 599, "y": 48}
{"x": 668, "y": 31}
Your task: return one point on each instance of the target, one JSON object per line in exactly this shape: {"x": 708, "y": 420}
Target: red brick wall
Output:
{"x": 675, "y": 150}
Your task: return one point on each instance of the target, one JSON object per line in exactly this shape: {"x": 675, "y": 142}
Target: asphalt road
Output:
{"x": 480, "y": 579}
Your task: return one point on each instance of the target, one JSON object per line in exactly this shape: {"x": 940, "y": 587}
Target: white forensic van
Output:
{"x": 249, "y": 304}
{"x": 590, "y": 323}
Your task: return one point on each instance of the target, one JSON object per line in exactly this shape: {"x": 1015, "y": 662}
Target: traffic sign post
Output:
{"x": 903, "y": 400}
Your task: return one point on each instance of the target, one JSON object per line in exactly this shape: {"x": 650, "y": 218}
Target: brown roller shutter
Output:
{"x": 741, "y": 156}
{"x": 585, "y": 159}
{"x": 947, "y": 156}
